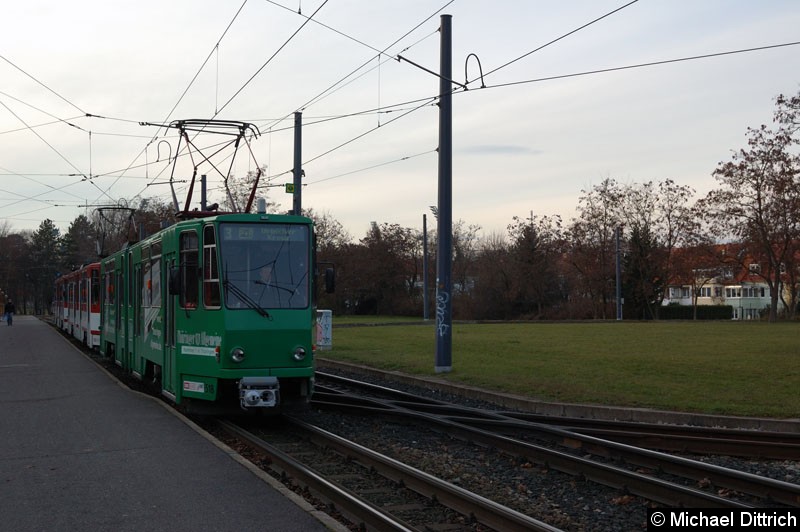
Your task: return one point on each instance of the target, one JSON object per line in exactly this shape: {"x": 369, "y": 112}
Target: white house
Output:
{"x": 748, "y": 294}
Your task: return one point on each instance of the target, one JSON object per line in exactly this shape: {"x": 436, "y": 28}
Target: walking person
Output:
{"x": 9, "y": 311}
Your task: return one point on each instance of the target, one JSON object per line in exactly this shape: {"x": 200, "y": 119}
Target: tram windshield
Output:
{"x": 264, "y": 266}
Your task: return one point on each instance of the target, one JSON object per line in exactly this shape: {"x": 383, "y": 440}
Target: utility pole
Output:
{"x": 297, "y": 173}
{"x": 444, "y": 253}
{"x": 425, "y": 303}
{"x": 203, "y": 197}
{"x": 619, "y": 273}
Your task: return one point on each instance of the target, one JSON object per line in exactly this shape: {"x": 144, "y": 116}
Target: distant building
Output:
{"x": 744, "y": 290}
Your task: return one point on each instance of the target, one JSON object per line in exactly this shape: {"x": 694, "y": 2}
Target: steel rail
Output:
{"x": 696, "y": 440}
{"x": 485, "y": 511}
{"x": 765, "y": 436}
{"x": 357, "y": 509}
{"x": 772, "y": 490}
{"x": 665, "y": 441}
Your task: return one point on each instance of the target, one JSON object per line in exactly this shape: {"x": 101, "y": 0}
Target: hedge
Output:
{"x": 704, "y": 312}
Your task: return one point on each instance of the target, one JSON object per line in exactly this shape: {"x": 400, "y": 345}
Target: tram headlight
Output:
{"x": 237, "y": 354}
{"x": 299, "y": 354}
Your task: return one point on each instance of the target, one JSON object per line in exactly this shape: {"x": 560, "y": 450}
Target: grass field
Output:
{"x": 733, "y": 368}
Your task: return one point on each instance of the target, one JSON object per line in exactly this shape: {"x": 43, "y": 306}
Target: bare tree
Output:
{"x": 758, "y": 202}
{"x": 240, "y": 189}
{"x": 494, "y": 270}
{"x": 661, "y": 219}
{"x": 5, "y": 228}
{"x": 787, "y": 115}
{"x": 114, "y": 225}
{"x": 380, "y": 273}
{"x": 465, "y": 248}
{"x": 334, "y": 245}
{"x": 151, "y": 214}
{"x": 331, "y": 234}
{"x": 591, "y": 242}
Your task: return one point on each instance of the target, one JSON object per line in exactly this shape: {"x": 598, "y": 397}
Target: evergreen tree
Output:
{"x": 46, "y": 258}
{"x": 642, "y": 285}
{"x": 78, "y": 245}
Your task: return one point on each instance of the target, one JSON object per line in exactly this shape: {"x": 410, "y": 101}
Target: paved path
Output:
{"x": 80, "y": 452}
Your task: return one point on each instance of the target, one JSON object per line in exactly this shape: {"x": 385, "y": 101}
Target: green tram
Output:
{"x": 217, "y": 311}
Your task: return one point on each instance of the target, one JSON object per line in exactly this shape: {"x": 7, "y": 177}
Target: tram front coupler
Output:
{"x": 259, "y": 392}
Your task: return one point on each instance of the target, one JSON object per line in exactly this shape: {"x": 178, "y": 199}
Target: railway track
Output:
{"x": 755, "y": 444}
{"x": 681, "y": 439}
{"x": 374, "y": 491}
{"x": 663, "y": 478}
{"x": 372, "y": 486}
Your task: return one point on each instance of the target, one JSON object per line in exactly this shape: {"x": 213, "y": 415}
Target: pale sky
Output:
{"x": 517, "y": 147}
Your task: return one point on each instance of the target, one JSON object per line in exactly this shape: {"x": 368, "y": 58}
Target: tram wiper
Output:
{"x": 296, "y": 288}
{"x": 275, "y": 286}
{"x": 284, "y": 301}
{"x": 244, "y": 298}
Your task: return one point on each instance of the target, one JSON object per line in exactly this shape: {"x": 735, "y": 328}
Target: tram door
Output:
{"x": 70, "y": 304}
{"x": 79, "y": 300}
{"x": 168, "y": 300}
{"x": 136, "y": 337}
{"x": 130, "y": 312}
{"x": 119, "y": 336}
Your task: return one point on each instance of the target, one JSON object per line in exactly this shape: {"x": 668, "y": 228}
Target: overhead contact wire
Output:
{"x": 43, "y": 85}
{"x": 257, "y": 72}
{"x": 557, "y": 39}
{"x": 643, "y": 65}
{"x": 180, "y": 99}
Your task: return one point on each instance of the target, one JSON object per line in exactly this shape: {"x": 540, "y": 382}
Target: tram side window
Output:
{"x": 108, "y": 296}
{"x": 82, "y": 289}
{"x": 95, "y": 289}
{"x": 145, "y": 282}
{"x": 142, "y": 296}
{"x": 120, "y": 297}
{"x": 189, "y": 266}
{"x": 155, "y": 275}
{"x": 211, "y": 293}
{"x": 129, "y": 293}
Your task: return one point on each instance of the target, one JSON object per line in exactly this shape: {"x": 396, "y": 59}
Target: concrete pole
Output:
{"x": 203, "y": 192}
{"x": 444, "y": 252}
{"x": 297, "y": 198}
{"x": 425, "y": 302}
{"x": 619, "y": 273}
